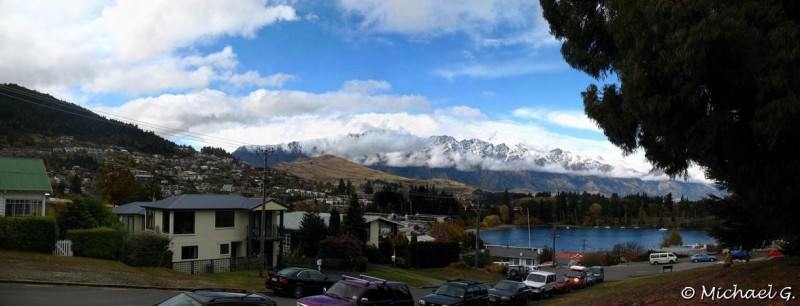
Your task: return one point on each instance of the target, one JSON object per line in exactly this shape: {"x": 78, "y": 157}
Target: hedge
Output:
{"x": 435, "y": 254}
{"x": 101, "y": 242}
{"x": 33, "y": 234}
{"x": 147, "y": 249}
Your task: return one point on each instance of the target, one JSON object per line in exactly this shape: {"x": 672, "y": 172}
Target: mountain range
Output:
{"x": 479, "y": 163}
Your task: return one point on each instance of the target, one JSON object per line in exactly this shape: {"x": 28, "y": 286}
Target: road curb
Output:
{"x": 35, "y": 282}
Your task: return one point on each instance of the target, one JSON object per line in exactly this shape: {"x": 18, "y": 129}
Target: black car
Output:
{"x": 297, "y": 282}
{"x": 219, "y": 297}
{"x": 458, "y": 292}
{"x": 507, "y": 292}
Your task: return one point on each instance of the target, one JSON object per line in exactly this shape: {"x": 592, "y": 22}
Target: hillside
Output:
{"x": 329, "y": 168}
{"x": 30, "y": 118}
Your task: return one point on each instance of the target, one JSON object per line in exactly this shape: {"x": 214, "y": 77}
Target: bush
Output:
{"x": 645, "y": 256}
{"x": 344, "y": 247}
{"x": 147, "y": 249}
{"x": 600, "y": 259}
{"x": 484, "y": 258}
{"x": 373, "y": 254}
{"x": 360, "y": 263}
{"x": 459, "y": 265}
{"x": 495, "y": 268}
{"x": 34, "y": 234}
{"x": 101, "y": 242}
{"x": 445, "y": 253}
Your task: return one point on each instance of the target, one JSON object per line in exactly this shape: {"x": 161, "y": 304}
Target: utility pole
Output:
{"x": 583, "y": 248}
{"x": 554, "y": 244}
{"x": 266, "y": 153}
{"x": 528, "y": 211}
{"x": 477, "y": 228}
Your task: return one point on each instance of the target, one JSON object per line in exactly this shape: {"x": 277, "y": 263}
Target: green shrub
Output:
{"x": 360, "y": 263}
{"x": 147, "y": 249}
{"x": 446, "y": 253}
{"x": 599, "y": 259}
{"x": 101, "y": 242}
{"x": 34, "y": 234}
{"x": 645, "y": 256}
{"x": 373, "y": 254}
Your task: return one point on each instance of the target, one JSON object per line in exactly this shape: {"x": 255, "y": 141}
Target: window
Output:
{"x": 184, "y": 222}
{"x": 150, "y": 219}
{"x": 402, "y": 292}
{"x": 316, "y": 275}
{"x": 224, "y": 218}
{"x": 224, "y": 249}
{"x": 165, "y": 221}
{"x": 189, "y": 252}
{"x": 20, "y": 208}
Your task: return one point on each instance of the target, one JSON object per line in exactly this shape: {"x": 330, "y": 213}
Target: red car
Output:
{"x": 562, "y": 286}
{"x": 577, "y": 279}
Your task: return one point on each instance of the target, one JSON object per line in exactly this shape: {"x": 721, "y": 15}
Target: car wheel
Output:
{"x": 713, "y": 259}
{"x": 298, "y": 292}
{"x": 694, "y": 260}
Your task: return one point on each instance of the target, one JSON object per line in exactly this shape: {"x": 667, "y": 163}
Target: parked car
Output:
{"x": 775, "y": 254}
{"x": 740, "y": 255}
{"x": 562, "y": 286}
{"x": 577, "y": 276}
{"x": 541, "y": 283}
{"x": 458, "y": 292}
{"x": 663, "y": 258}
{"x": 362, "y": 291}
{"x": 701, "y": 257}
{"x": 590, "y": 281}
{"x": 508, "y": 292}
{"x": 297, "y": 282}
{"x": 517, "y": 272}
{"x": 219, "y": 297}
{"x": 598, "y": 272}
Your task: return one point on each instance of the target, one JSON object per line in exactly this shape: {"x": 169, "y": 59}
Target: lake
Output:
{"x": 572, "y": 239}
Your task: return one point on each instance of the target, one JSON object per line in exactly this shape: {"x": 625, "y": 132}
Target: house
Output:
{"x": 24, "y": 187}
{"x": 378, "y": 227}
{"x": 131, "y": 215}
{"x": 515, "y": 256}
{"x": 212, "y": 226}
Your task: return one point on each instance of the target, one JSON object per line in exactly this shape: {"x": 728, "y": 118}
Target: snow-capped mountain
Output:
{"x": 479, "y": 163}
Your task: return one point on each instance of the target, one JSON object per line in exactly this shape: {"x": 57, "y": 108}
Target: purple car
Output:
{"x": 362, "y": 291}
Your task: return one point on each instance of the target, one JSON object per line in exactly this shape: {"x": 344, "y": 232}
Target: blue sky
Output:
{"x": 231, "y": 73}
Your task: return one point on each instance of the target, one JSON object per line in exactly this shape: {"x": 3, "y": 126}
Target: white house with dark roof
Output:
{"x": 378, "y": 227}
{"x": 24, "y": 187}
{"x": 131, "y": 215}
{"x": 212, "y": 226}
{"x": 514, "y": 255}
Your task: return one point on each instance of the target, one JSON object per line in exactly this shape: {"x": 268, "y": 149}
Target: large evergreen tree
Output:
{"x": 354, "y": 223}
{"x": 312, "y": 231}
{"x": 335, "y": 222}
{"x": 711, "y": 83}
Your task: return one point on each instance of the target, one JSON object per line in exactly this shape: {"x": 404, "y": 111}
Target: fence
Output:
{"x": 327, "y": 263}
{"x": 218, "y": 265}
{"x": 63, "y": 248}
{"x": 221, "y": 265}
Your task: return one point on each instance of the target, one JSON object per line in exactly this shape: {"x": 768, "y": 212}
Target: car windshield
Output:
{"x": 573, "y": 274}
{"x": 594, "y": 270}
{"x": 182, "y": 299}
{"x": 344, "y": 291}
{"x": 451, "y": 290}
{"x": 288, "y": 272}
{"x": 538, "y": 278}
{"x": 507, "y": 286}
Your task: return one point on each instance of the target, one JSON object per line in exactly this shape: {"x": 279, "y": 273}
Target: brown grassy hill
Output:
{"x": 329, "y": 168}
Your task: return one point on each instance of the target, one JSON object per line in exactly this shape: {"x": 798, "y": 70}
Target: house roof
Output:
{"x": 291, "y": 220}
{"x": 212, "y": 201}
{"x": 23, "y": 174}
{"x": 134, "y": 208}
{"x": 512, "y": 252}
{"x": 369, "y": 219}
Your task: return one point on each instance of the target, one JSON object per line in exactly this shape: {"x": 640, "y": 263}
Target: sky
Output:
{"x": 254, "y": 72}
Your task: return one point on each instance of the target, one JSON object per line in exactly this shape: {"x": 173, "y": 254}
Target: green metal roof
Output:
{"x": 23, "y": 174}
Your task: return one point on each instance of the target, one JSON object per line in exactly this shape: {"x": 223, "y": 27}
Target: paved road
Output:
{"x": 12, "y": 294}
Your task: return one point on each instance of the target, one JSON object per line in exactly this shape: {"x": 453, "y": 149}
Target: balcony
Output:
{"x": 271, "y": 233}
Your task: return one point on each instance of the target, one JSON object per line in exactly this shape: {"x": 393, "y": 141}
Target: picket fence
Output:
{"x": 63, "y": 248}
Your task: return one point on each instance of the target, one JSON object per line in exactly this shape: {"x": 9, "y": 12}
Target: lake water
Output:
{"x": 596, "y": 239}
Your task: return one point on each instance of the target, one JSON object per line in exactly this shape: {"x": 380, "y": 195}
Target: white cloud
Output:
{"x": 254, "y": 78}
{"x": 572, "y": 119}
{"x": 367, "y": 87}
{"x": 494, "y": 70}
{"x": 128, "y": 46}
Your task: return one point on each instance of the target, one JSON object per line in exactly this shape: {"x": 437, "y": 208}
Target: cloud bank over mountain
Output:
{"x": 394, "y": 149}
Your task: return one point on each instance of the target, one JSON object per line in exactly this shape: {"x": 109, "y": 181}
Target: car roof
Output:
{"x": 542, "y": 273}
{"x": 464, "y": 282}
{"x": 366, "y": 280}
{"x": 212, "y": 295}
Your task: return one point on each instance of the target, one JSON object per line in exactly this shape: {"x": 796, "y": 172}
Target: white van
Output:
{"x": 663, "y": 258}
{"x": 542, "y": 283}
